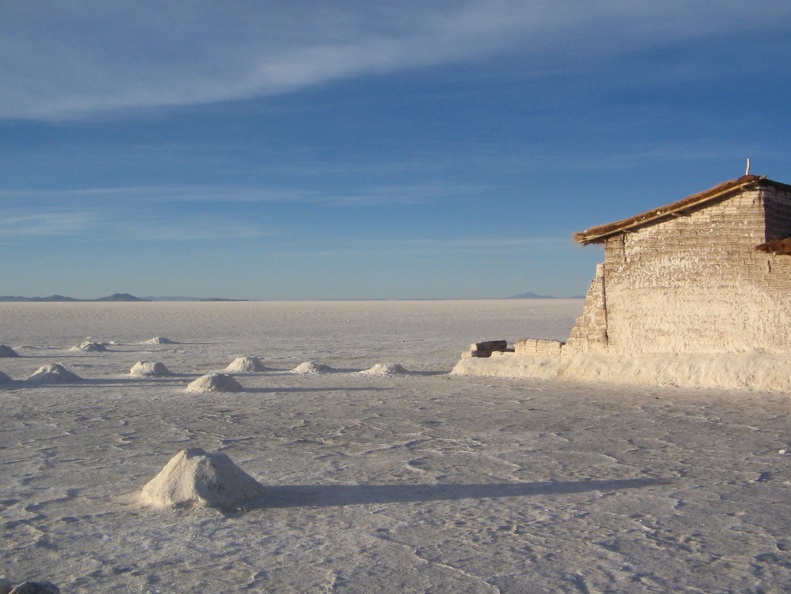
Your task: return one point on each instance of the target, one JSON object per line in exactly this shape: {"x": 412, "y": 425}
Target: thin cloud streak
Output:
{"x": 366, "y": 196}
{"x": 75, "y": 59}
{"x": 48, "y": 224}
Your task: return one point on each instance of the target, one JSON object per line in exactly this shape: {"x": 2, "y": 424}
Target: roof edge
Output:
{"x": 602, "y": 232}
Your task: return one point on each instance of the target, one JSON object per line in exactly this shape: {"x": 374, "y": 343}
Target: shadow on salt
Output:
{"x": 344, "y": 495}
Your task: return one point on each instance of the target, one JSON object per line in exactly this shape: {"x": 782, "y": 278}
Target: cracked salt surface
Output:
{"x": 406, "y": 482}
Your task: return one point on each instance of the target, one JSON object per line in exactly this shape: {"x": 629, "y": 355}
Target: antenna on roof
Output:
{"x": 748, "y": 167}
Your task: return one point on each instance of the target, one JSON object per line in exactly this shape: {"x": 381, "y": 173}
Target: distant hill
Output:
{"x": 48, "y": 299}
{"x": 531, "y": 295}
{"x": 120, "y": 297}
{"x": 54, "y": 298}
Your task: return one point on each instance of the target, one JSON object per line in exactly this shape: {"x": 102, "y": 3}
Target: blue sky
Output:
{"x": 317, "y": 149}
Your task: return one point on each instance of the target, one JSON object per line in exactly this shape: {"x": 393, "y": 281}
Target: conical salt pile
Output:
{"x": 202, "y": 478}
{"x": 149, "y": 369}
{"x": 385, "y": 369}
{"x": 311, "y": 367}
{"x": 215, "y": 382}
{"x": 246, "y": 364}
{"x": 92, "y": 347}
{"x": 53, "y": 374}
{"x": 4, "y": 379}
{"x": 158, "y": 340}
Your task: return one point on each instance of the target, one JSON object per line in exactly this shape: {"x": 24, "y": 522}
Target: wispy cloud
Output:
{"x": 117, "y": 198}
{"x": 46, "y": 224}
{"x": 66, "y": 59}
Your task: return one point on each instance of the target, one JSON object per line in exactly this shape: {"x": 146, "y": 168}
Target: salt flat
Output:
{"x": 409, "y": 482}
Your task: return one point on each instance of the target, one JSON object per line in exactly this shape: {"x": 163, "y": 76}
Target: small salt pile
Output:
{"x": 4, "y": 379}
{"x": 159, "y": 340}
{"x": 246, "y": 364}
{"x": 309, "y": 367}
{"x": 150, "y": 369}
{"x": 385, "y": 369}
{"x": 215, "y": 382}
{"x": 203, "y": 478}
{"x": 88, "y": 346}
{"x": 53, "y": 374}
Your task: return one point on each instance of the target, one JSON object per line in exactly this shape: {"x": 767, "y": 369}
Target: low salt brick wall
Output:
{"x": 539, "y": 347}
{"x": 486, "y": 348}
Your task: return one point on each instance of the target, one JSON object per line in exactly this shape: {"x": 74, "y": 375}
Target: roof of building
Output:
{"x": 777, "y": 246}
{"x": 602, "y": 232}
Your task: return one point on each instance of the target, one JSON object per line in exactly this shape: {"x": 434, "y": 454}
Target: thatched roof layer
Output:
{"x": 602, "y": 232}
{"x": 777, "y": 246}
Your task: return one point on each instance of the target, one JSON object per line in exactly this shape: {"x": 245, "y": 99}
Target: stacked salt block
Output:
{"x": 149, "y": 369}
{"x": 215, "y": 382}
{"x": 7, "y": 587}
{"x": 308, "y": 367}
{"x": 486, "y": 348}
{"x": 88, "y": 346}
{"x": 53, "y": 374}
{"x": 246, "y": 364}
{"x": 539, "y": 347}
{"x": 202, "y": 478}
{"x": 7, "y": 351}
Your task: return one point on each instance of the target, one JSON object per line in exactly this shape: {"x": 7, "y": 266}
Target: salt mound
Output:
{"x": 53, "y": 374}
{"x": 95, "y": 347}
{"x": 4, "y": 379}
{"x": 7, "y": 351}
{"x": 215, "y": 382}
{"x": 311, "y": 367}
{"x": 246, "y": 364}
{"x": 149, "y": 369}
{"x": 159, "y": 340}
{"x": 203, "y": 478}
{"x": 385, "y": 369}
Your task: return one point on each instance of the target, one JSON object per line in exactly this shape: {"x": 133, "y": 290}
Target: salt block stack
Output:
{"x": 202, "y": 478}
{"x": 486, "y": 348}
{"x": 539, "y": 347}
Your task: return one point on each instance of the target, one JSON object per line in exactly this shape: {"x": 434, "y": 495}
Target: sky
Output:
{"x": 322, "y": 149}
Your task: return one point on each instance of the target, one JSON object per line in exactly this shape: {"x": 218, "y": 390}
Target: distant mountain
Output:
{"x": 36, "y": 299}
{"x": 531, "y": 295}
{"x": 53, "y": 298}
{"x": 120, "y": 297}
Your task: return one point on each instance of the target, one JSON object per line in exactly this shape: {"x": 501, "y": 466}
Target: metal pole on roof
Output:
{"x": 748, "y": 167}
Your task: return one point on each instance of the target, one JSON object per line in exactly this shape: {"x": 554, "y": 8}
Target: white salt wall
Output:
{"x": 696, "y": 283}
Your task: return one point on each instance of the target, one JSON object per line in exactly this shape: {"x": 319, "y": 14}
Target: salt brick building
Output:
{"x": 709, "y": 273}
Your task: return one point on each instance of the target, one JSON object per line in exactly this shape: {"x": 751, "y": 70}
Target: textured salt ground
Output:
{"x": 382, "y": 483}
